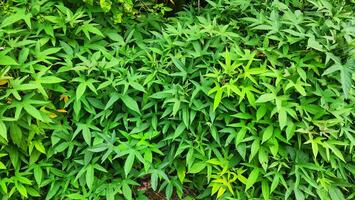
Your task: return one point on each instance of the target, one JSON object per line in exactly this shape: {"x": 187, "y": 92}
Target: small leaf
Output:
{"x": 90, "y": 176}
{"x": 22, "y": 190}
{"x": 197, "y": 167}
{"x": 2, "y": 166}
{"x": 129, "y": 163}
{"x": 114, "y": 97}
{"x": 33, "y": 112}
{"x": 314, "y": 44}
{"x": 260, "y": 113}
{"x": 282, "y": 118}
{"x": 299, "y": 194}
{"x": 290, "y": 130}
{"x": 39, "y": 146}
{"x": 38, "y": 174}
{"x": 253, "y": 177}
{"x": 217, "y": 98}
{"x": 275, "y": 182}
{"x": 127, "y": 192}
{"x": 265, "y": 189}
{"x": 221, "y": 192}
{"x": 7, "y": 60}
{"x": 87, "y": 135}
{"x": 94, "y": 30}
{"x": 154, "y": 181}
{"x": 335, "y": 193}
{"x": 255, "y": 146}
{"x": 179, "y": 130}
{"x": 185, "y": 117}
{"x": 130, "y": 103}
{"x": 75, "y": 196}
{"x": 268, "y": 133}
{"x": 214, "y": 134}
{"x": 336, "y": 151}
{"x": 51, "y": 80}
{"x": 265, "y": 98}
{"x": 3, "y": 130}
{"x": 346, "y": 77}
{"x": 80, "y": 91}
{"x": 176, "y": 107}
{"x": 169, "y": 191}
{"x": 181, "y": 171}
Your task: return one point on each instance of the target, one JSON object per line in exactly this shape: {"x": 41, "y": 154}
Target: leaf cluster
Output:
{"x": 237, "y": 100}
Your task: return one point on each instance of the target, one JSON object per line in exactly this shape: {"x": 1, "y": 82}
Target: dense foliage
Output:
{"x": 240, "y": 99}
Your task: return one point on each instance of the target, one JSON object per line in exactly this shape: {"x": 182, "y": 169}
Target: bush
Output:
{"x": 238, "y": 100}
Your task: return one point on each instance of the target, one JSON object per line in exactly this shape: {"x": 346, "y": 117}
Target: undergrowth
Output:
{"x": 236, "y": 100}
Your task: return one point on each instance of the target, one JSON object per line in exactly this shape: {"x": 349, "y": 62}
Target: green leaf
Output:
{"x": 185, "y": 116}
{"x": 282, "y": 118}
{"x": 314, "y": 44}
{"x": 169, "y": 191}
{"x": 3, "y": 130}
{"x": 265, "y": 98}
{"x": 90, "y": 176}
{"x": 114, "y": 97}
{"x": 346, "y": 77}
{"x": 26, "y": 86}
{"x": 33, "y": 192}
{"x": 154, "y": 181}
{"x": 22, "y": 190}
{"x": 240, "y": 136}
{"x": 335, "y": 193}
{"x": 87, "y": 135}
{"x": 179, "y": 130}
{"x": 267, "y": 134}
{"x": 130, "y": 103}
{"x": 89, "y": 28}
{"x": 214, "y": 134}
{"x": 39, "y": 146}
{"x": 217, "y": 98}
{"x": 275, "y": 182}
{"x": 33, "y": 112}
{"x": 2, "y": 166}
{"x": 181, "y": 172}
{"x": 274, "y": 147}
{"x": 299, "y": 194}
{"x": 129, "y": 163}
{"x": 16, "y": 134}
{"x": 51, "y": 80}
{"x": 176, "y": 107}
{"x": 38, "y": 174}
{"x": 265, "y": 189}
{"x": 255, "y": 146}
{"x": 290, "y": 130}
{"x": 75, "y": 196}
{"x": 220, "y": 192}
{"x": 80, "y": 91}
{"x": 197, "y": 167}
{"x": 346, "y": 72}
{"x": 94, "y": 30}
{"x": 52, "y": 191}
{"x": 19, "y": 15}
{"x": 7, "y": 60}
{"x": 336, "y": 151}
{"x": 10, "y": 20}
{"x": 127, "y": 192}
{"x": 260, "y": 113}
{"x": 253, "y": 177}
